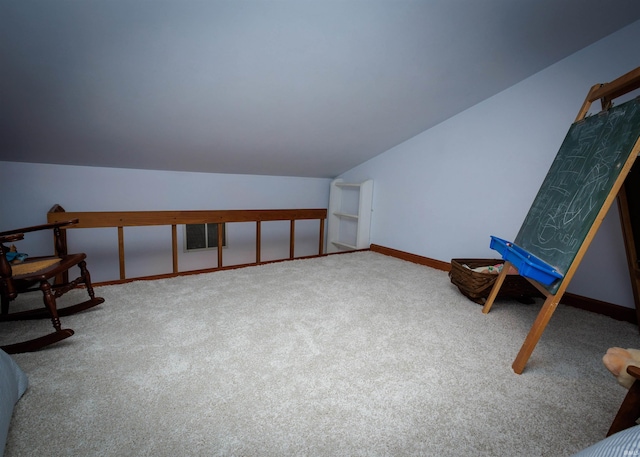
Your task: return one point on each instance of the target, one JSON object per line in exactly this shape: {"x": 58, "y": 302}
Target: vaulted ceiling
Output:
{"x": 278, "y": 87}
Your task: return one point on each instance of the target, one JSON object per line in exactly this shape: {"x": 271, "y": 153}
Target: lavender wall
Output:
{"x": 444, "y": 192}
{"x": 441, "y": 194}
{"x": 30, "y": 190}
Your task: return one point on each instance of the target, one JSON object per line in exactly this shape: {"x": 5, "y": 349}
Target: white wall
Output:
{"x": 444, "y": 192}
{"x": 30, "y": 190}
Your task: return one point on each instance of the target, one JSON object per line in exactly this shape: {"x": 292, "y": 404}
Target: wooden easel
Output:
{"x": 606, "y": 93}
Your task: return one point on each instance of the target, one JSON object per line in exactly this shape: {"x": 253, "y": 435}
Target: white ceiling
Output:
{"x": 276, "y": 87}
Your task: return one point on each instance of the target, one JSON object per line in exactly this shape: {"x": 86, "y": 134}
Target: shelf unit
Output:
{"x": 350, "y": 206}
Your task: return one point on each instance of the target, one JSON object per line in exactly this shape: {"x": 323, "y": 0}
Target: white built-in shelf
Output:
{"x": 347, "y": 184}
{"x": 350, "y": 206}
{"x": 345, "y": 215}
{"x": 344, "y": 246}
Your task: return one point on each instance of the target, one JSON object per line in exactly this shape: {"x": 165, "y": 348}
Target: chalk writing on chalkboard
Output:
{"x": 581, "y": 177}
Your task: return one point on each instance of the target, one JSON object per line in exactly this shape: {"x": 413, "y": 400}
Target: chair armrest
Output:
{"x": 35, "y": 228}
{"x": 634, "y": 371}
{"x": 60, "y": 239}
{"x": 11, "y": 238}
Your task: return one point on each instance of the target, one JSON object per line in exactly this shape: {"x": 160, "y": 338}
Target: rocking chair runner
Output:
{"x": 50, "y": 275}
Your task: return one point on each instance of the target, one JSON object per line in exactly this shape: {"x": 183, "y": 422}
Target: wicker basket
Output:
{"x": 477, "y": 286}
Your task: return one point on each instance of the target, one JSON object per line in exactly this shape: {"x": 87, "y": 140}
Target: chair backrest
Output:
{"x": 8, "y": 289}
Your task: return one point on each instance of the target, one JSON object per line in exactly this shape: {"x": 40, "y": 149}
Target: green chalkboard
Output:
{"x": 581, "y": 177}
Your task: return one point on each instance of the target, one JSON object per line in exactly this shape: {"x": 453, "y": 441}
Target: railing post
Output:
{"x": 174, "y": 247}
{"x": 321, "y": 242}
{"x": 292, "y": 238}
{"x": 220, "y": 225}
{"x": 121, "y": 251}
{"x": 258, "y": 235}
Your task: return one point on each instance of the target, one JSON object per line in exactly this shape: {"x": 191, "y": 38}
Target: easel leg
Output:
{"x": 550, "y": 305}
{"x": 496, "y": 287}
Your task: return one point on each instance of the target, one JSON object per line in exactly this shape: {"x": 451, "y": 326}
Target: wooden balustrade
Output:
{"x": 121, "y": 219}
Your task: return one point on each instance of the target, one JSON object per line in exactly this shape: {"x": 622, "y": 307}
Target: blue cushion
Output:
{"x": 624, "y": 444}
{"x": 13, "y": 383}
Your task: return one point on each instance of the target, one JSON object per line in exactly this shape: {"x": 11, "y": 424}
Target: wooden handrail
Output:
{"x": 121, "y": 219}
{"x": 101, "y": 219}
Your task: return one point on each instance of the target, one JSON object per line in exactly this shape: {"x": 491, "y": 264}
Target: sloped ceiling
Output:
{"x": 277, "y": 87}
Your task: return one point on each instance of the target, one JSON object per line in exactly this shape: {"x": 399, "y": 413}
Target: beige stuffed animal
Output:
{"x": 617, "y": 360}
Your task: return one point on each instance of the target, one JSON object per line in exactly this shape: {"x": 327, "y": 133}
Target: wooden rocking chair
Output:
{"x": 629, "y": 411}
{"x": 48, "y": 274}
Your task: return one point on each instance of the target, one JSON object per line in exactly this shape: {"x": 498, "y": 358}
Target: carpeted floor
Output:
{"x": 352, "y": 355}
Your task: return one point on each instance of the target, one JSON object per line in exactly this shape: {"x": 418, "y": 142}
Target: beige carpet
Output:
{"x": 351, "y": 355}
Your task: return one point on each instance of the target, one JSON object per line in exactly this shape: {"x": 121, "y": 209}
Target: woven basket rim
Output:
{"x": 476, "y": 285}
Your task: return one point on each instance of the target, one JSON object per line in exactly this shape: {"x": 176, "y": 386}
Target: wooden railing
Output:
{"x": 121, "y": 219}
